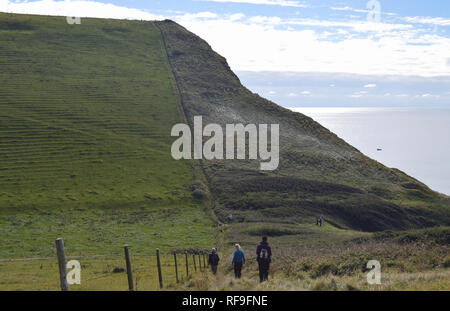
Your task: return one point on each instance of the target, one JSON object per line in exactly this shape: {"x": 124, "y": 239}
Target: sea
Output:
{"x": 414, "y": 140}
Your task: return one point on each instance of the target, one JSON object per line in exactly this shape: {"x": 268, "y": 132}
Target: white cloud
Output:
{"x": 358, "y": 26}
{"x": 76, "y": 8}
{"x": 237, "y": 16}
{"x": 201, "y": 15}
{"x": 292, "y": 94}
{"x": 306, "y": 93}
{"x": 370, "y": 85}
{"x": 347, "y": 8}
{"x": 287, "y": 3}
{"x": 272, "y": 92}
{"x": 273, "y": 20}
{"x": 439, "y": 21}
{"x": 261, "y": 43}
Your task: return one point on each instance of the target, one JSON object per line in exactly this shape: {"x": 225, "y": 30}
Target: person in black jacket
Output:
{"x": 213, "y": 261}
{"x": 263, "y": 265}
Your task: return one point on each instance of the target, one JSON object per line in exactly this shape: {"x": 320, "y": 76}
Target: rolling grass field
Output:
{"x": 308, "y": 257}
{"x": 97, "y": 274}
{"x": 305, "y": 257}
{"x": 85, "y": 118}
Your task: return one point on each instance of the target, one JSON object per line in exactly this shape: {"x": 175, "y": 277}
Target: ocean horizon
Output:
{"x": 413, "y": 140}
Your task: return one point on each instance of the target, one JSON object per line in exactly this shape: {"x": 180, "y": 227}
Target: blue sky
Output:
{"x": 311, "y": 52}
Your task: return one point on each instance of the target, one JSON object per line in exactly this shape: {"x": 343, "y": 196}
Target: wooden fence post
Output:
{"x": 187, "y": 265}
{"x": 129, "y": 270}
{"x": 195, "y": 266}
{"x": 199, "y": 262}
{"x": 62, "y": 264}
{"x": 158, "y": 261}
{"x": 204, "y": 260}
{"x": 176, "y": 266}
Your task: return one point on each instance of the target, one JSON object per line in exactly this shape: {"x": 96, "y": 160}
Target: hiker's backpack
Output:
{"x": 264, "y": 251}
{"x": 264, "y": 247}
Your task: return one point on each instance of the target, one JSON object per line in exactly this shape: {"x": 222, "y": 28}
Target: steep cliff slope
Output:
{"x": 318, "y": 173}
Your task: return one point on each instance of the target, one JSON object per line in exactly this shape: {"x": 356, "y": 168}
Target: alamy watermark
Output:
{"x": 374, "y": 14}
{"x": 71, "y": 20}
{"x": 374, "y": 275}
{"x": 74, "y": 274}
{"x": 235, "y": 142}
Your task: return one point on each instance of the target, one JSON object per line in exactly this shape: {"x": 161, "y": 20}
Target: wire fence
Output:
{"x": 103, "y": 272}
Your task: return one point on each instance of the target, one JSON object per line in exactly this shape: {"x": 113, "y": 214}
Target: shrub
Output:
{"x": 323, "y": 286}
{"x": 199, "y": 193}
{"x": 198, "y": 189}
{"x": 118, "y": 270}
{"x": 323, "y": 269}
{"x": 270, "y": 231}
{"x": 351, "y": 288}
{"x": 446, "y": 263}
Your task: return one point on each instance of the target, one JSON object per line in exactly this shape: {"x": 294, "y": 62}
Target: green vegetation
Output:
{"x": 101, "y": 273}
{"x": 315, "y": 258}
{"x": 319, "y": 173}
{"x": 85, "y": 155}
{"x": 85, "y": 141}
{"x": 340, "y": 264}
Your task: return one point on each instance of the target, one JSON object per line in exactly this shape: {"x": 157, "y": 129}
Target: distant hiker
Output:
{"x": 230, "y": 218}
{"x": 264, "y": 245}
{"x": 263, "y": 265}
{"x": 317, "y": 220}
{"x": 320, "y": 221}
{"x": 238, "y": 261}
{"x": 213, "y": 261}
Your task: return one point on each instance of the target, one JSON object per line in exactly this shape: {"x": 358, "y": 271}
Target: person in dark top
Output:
{"x": 264, "y": 245}
{"x": 213, "y": 261}
{"x": 229, "y": 218}
{"x": 263, "y": 262}
{"x": 238, "y": 261}
{"x": 263, "y": 265}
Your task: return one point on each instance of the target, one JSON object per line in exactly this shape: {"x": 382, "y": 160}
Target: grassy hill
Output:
{"x": 85, "y": 118}
{"x": 319, "y": 173}
{"x": 85, "y": 147}
{"x": 86, "y": 114}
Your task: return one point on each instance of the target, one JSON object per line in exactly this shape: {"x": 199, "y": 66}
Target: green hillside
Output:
{"x": 86, "y": 113}
{"x": 319, "y": 173}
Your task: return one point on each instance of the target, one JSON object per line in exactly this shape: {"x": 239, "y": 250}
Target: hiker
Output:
{"x": 264, "y": 245}
{"x": 263, "y": 265}
{"x": 238, "y": 261}
{"x": 317, "y": 220}
{"x": 320, "y": 221}
{"x": 213, "y": 261}
{"x": 230, "y": 218}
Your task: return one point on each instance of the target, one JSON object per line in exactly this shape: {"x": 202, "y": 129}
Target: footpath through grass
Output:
{"x": 308, "y": 257}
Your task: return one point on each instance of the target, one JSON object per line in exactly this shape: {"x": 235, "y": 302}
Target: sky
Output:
{"x": 309, "y": 52}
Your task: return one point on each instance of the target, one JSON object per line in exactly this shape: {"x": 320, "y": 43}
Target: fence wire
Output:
{"x": 100, "y": 272}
